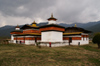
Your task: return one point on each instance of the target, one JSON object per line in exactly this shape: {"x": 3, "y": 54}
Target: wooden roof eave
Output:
{"x": 72, "y": 33}
{"x": 51, "y": 25}
{"x": 29, "y": 26}
{"x": 16, "y": 31}
{"x": 27, "y": 34}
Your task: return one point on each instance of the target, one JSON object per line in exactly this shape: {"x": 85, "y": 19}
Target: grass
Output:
{"x": 29, "y": 55}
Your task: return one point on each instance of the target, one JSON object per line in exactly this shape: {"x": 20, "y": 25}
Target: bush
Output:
{"x": 96, "y": 39}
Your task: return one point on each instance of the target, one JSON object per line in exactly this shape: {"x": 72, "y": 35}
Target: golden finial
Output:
{"x": 34, "y": 24}
{"x": 52, "y": 18}
{"x": 51, "y": 15}
{"x": 34, "y": 21}
{"x": 75, "y": 25}
{"x": 17, "y": 26}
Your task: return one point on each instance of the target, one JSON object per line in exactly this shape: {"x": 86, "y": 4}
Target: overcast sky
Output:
{"x": 13, "y": 12}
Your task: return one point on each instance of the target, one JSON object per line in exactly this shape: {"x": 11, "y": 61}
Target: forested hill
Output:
{"x": 92, "y": 26}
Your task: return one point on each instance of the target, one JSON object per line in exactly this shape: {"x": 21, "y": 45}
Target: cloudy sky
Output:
{"x": 13, "y": 12}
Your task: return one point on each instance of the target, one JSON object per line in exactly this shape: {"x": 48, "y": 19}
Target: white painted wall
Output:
{"x": 54, "y": 45}
{"x": 14, "y": 41}
{"x": 12, "y": 37}
{"x": 82, "y": 42}
{"x": 17, "y": 28}
{"x": 28, "y": 42}
{"x": 52, "y": 22}
{"x": 52, "y": 36}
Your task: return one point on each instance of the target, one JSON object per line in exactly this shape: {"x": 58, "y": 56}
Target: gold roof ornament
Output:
{"x": 75, "y": 25}
{"x": 52, "y": 18}
{"x": 52, "y": 15}
{"x": 34, "y": 24}
{"x": 17, "y": 26}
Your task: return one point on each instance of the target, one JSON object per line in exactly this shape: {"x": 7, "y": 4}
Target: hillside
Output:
{"x": 92, "y": 26}
{"x": 5, "y": 31}
{"x": 82, "y": 25}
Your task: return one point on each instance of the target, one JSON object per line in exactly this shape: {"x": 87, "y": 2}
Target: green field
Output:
{"x": 29, "y": 55}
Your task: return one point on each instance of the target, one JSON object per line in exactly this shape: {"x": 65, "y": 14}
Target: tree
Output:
{"x": 96, "y": 39}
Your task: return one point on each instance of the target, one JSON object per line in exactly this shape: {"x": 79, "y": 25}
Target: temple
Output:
{"x": 50, "y": 35}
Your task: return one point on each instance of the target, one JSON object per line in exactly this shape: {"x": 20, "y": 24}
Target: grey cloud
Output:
{"x": 9, "y": 7}
{"x": 67, "y": 11}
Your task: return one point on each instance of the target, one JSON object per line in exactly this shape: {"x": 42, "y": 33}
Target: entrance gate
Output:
{"x": 70, "y": 40}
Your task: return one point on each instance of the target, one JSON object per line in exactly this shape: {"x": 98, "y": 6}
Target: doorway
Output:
{"x": 70, "y": 40}
{"x": 35, "y": 39}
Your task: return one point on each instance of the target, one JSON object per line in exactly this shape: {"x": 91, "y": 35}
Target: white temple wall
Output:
{"x": 12, "y": 37}
{"x": 76, "y": 42}
{"x": 54, "y": 44}
{"x": 52, "y": 36}
{"x": 52, "y": 22}
{"x": 14, "y": 41}
{"x": 28, "y": 42}
{"x": 82, "y": 42}
{"x": 17, "y": 29}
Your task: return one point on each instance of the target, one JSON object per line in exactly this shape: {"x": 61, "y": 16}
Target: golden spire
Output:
{"x": 17, "y": 26}
{"x": 75, "y": 25}
{"x": 52, "y": 18}
{"x": 51, "y": 15}
{"x": 34, "y": 24}
{"x": 34, "y": 21}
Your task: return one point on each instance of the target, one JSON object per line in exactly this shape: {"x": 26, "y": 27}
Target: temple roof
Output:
{"x": 73, "y": 33}
{"x": 52, "y": 18}
{"x": 29, "y": 27}
{"x": 77, "y": 29}
{"x": 17, "y": 31}
{"x": 29, "y": 34}
{"x": 51, "y": 25}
